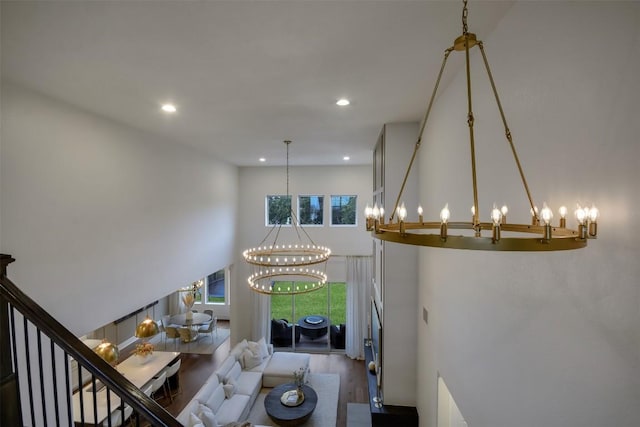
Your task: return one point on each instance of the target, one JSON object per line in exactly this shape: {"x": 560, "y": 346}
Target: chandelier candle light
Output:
{"x": 287, "y": 262}
{"x": 546, "y": 236}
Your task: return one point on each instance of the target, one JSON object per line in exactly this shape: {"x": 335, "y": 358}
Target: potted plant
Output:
{"x": 144, "y": 351}
{"x": 299, "y": 379}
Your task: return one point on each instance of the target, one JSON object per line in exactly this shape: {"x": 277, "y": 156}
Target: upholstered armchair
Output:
{"x": 338, "y": 335}
{"x": 281, "y": 333}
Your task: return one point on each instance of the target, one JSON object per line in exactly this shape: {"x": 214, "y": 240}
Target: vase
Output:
{"x": 189, "y": 314}
{"x": 143, "y": 358}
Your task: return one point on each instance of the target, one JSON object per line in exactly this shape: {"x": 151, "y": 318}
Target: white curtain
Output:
{"x": 359, "y": 275}
{"x": 175, "y": 303}
{"x": 261, "y": 317}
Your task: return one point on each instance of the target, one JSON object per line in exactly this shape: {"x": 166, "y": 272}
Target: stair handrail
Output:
{"x": 87, "y": 358}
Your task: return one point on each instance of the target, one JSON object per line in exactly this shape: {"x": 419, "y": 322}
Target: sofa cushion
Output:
{"x": 205, "y": 391}
{"x": 207, "y": 416}
{"x": 216, "y": 399}
{"x": 281, "y": 366}
{"x": 248, "y": 383}
{"x": 234, "y": 373}
{"x": 192, "y": 407}
{"x": 259, "y": 368}
{"x": 233, "y": 409}
{"x": 223, "y": 371}
{"x": 195, "y": 421}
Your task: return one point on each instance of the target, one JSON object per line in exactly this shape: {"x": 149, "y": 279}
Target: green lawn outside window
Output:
{"x": 312, "y": 303}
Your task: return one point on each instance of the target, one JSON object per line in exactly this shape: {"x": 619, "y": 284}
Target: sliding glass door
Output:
{"x": 314, "y": 321}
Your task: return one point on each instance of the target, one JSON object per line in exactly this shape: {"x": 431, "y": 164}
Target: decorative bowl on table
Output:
{"x": 292, "y": 398}
{"x": 143, "y": 358}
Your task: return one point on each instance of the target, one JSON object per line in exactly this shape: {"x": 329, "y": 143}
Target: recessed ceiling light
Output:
{"x": 345, "y": 158}
{"x": 169, "y": 108}
{"x": 262, "y": 159}
{"x": 343, "y": 102}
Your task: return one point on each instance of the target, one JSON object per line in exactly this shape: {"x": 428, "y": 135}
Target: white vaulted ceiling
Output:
{"x": 244, "y": 74}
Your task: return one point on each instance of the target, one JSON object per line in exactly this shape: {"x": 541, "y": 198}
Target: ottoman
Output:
{"x": 280, "y": 368}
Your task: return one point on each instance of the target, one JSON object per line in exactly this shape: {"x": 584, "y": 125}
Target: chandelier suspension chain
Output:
{"x": 465, "y": 13}
{"x": 424, "y": 124}
{"x": 507, "y": 132}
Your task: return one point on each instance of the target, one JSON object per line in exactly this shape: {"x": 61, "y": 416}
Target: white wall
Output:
{"x": 101, "y": 218}
{"x": 256, "y": 183}
{"x": 533, "y": 339}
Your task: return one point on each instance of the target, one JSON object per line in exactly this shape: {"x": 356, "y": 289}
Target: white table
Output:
{"x": 131, "y": 369}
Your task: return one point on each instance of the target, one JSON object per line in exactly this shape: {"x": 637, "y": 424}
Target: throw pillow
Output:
{"x": 229, "y": 390}
{"x": 251, "y": 360}
{"x": 264, "y": 350}
{"x": 207, "y": 416}
{"x": 195, "y": 421}
{"x": 238, "y": 349}
{"x": 254, "y": 347}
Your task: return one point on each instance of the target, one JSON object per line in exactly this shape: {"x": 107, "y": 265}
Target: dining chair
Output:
{"x": 187, "y": 335}
{"x": 157, "y": 384}
{"x": 171, "y": 371}
{"x": 162, "y": 331}
{"x": 208, "y": 328}
{"x": 171, "y": 332}
{"x": 148, "y": 390}
{"x": 214, "y": 319}
{"x": 116, "y": 417}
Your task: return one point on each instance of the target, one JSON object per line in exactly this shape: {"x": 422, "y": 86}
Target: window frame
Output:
{"x": 322, "y": 210}
{"x": 266, "y": 210}
{"x": 355, "y": 196}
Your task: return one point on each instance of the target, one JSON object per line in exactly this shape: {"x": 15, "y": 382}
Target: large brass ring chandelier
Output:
{"x": 539, "y": 235}
{"x": 298, "y": 263}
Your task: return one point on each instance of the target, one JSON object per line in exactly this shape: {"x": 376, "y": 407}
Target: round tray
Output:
{"x": 287, "y": 398}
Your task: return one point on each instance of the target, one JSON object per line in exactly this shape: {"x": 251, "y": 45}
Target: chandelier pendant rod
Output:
{"x": 424, "y": 124}
{"x": 507, "y": 132}
{"x": 470, "y": 120}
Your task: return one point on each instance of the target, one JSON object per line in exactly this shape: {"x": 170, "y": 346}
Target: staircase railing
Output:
{"x": 36, "y": 383}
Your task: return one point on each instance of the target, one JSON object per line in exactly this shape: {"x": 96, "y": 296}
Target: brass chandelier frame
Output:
{"x": 539, "y": 235}
{"x": 287, "y": 261}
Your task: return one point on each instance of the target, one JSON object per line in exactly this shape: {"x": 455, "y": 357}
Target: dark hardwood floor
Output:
{"x": 196, "y": 368}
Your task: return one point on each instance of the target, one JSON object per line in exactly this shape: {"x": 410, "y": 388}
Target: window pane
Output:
{"x": 278, "y": 210}
{"x": 310, "y": 210}
{"x": 216, "y": 287}
{"x": 343, "y": 210}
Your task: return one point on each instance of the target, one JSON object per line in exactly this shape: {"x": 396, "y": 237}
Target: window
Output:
{"x": 343, "y": 210}
{"x": 328, "y": 303}
{"x": 216, "y": 287}
{"x": 278, "y": 210}
{"x": 310, "y": 210}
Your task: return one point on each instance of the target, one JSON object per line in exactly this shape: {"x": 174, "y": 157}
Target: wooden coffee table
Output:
{"x": 284, "y": 415}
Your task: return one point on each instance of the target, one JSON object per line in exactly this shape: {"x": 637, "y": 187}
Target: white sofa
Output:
{"x": 229, "y": 393}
